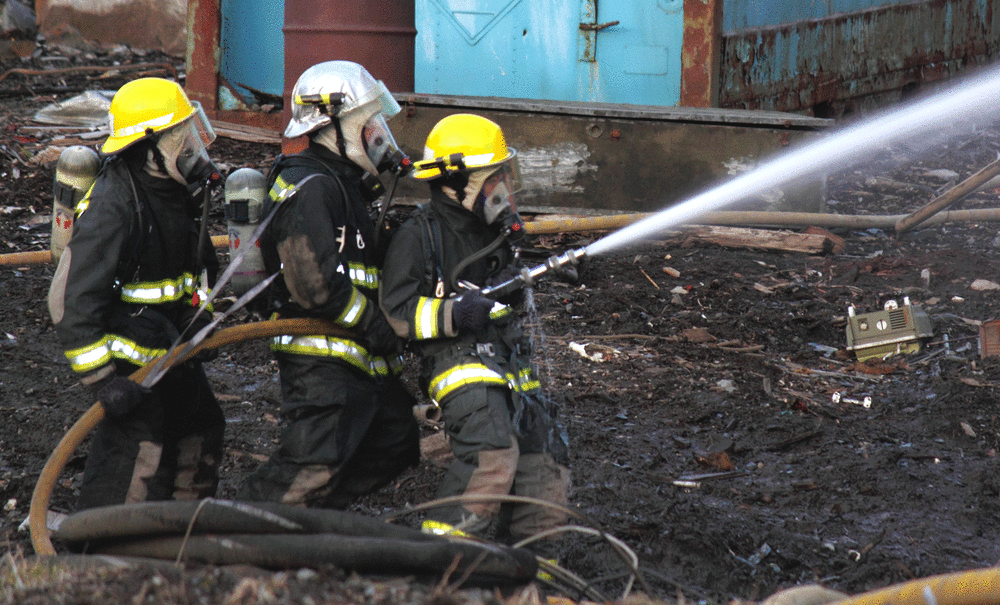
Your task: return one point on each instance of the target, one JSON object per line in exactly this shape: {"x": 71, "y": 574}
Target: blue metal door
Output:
{"x": 252, "y": 46}
{"x": 612, "y": 51}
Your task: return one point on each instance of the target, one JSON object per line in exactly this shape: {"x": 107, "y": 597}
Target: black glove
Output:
{"x": 471, "y": 311}
{"x": 119, "y": 395}
{"x": 378, "y": 336}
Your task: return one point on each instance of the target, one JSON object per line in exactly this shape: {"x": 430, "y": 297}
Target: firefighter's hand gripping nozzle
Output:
{"x": 529, "y": 276}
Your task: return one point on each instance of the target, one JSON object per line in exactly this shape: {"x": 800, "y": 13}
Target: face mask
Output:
{"x": 380, "y": 146}
{"x": 495, "y": 199}
{"x": 185, "y": 156}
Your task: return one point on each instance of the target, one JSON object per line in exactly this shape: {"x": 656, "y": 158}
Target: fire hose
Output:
{"x": 291, "y": 536}
{"x": 40, "y": 538}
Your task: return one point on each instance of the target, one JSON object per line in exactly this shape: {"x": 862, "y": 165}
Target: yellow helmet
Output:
{"x": 462, "y": 141}
{"x": 145, "y": 106}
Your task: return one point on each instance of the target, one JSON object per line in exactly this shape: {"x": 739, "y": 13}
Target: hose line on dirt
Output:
{"x": 281, "y": 536}
{"x": 38, "y": 512}
{"x": 569, "y": 580}
{"x": 973, "y": 587}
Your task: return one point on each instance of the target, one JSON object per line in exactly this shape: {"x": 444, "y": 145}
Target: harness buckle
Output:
{"x": 485, "y": 349}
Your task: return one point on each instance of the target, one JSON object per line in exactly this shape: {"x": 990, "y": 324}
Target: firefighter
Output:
{"x": 128, "y": 286}
{"x": 348, "y": 423}
{"x": 476, "y": 360}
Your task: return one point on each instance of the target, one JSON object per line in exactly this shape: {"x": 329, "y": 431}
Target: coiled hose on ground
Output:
{"x": 268, "y": 535}
{"x": 42, "y": 495}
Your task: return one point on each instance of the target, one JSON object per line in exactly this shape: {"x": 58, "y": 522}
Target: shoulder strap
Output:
{"x": 128, "y": 265}
{"x": 432, "y": 233}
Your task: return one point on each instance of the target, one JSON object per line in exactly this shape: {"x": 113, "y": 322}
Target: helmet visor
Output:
{"x": 189, "y": 141}
{"x": 496, "y": 198}
{"x": 379, "y": 144}
{"x": 379, "y": 94}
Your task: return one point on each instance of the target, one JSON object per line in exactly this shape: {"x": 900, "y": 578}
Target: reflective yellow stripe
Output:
{"x": 338, "y": 348}
{"x": 525, "y": 381}
{"x": 442, "y": 529}
{"x": 467, "y": 374}
{"x": 111, "y": 346}
{"x": 164, "y": 290}
{"x": 84, "y": 203}
{"x": 499, "y": 310}
{"x": 362, "y": 276}
{"x": 281, "y": 190}
{"x": 355, "y": 309}
{"x": 425, "y": 321}
{"x": 459, "y": 376}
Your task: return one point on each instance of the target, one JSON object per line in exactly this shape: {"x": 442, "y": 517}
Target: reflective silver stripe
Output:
{"x": 426, "y": 320}
{"x": 89, "y": 358}
{"x": 337, "y": 348}
{"x": 355, "y": 309}
{"x": 111, "y": 346}
{"x": 362, "y": 276}
{"x": 128, "y": 131}
{"x": 466, "y": 374}
{"x": 165, "y": 290}
{"x": 126, "y": 349}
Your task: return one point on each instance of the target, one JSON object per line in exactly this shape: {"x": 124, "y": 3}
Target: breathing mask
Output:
{"x": 490, "y": 196}
{"x": 185, "y": 153}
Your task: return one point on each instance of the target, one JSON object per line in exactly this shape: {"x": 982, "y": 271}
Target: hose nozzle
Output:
{"x": 529, "y": 276}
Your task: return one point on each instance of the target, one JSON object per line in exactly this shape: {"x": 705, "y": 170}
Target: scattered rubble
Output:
{"x": 718, "y": 422}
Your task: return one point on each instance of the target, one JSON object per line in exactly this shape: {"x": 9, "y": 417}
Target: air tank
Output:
{"x": 244, "y": 208}
{"x": 76, "y": 172}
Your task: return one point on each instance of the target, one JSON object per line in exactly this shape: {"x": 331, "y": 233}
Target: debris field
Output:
{"x": 719, "y": 426}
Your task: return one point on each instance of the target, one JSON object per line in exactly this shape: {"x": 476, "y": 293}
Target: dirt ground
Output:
{"x": 732, "y": 376}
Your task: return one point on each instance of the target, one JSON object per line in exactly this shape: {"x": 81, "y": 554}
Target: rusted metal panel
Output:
{"x": 378, "y": 34}
{"x": 202, "y": 84}
{"x": 621, "y": 158}
{"x": 853, "y": 61}
{"x": 700, "y": 53}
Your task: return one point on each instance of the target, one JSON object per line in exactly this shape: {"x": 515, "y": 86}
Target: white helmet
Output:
{"x": 345, "y": 95}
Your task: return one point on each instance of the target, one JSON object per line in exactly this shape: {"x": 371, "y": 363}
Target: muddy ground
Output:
{"x": 736, "y": 373}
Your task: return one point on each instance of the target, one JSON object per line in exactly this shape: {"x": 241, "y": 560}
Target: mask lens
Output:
{"x": 379, "y": 143}
{"x": 497, "y": 195}
{"x": 192, "y": 159}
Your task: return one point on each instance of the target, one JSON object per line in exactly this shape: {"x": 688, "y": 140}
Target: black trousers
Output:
{"x": 345, "y": 435}
{"x": 169, "y": 447}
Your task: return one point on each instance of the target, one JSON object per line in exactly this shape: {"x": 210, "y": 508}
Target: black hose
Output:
{"x": 222, "y": 516}
{"x": 473, "y": 258}
{"x": 276, "y": 536}
{"x": 486, "y": 563}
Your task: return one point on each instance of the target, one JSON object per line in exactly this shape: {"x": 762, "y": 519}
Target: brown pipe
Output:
{"x": 35, "y": 257}
{"x": 948, "y": 197}
{"x": 40, "y": 498}
{"x": 724, "y": 218}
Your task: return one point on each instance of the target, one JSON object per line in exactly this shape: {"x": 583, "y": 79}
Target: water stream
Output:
{"x": 975, "y": 98}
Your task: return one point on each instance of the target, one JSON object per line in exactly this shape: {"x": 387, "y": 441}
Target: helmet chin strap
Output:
{"x": 155, "y": 164}
{"x": 331, "y": 138}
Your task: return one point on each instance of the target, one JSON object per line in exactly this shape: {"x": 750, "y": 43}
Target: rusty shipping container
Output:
{"x": 840, "y": 56}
